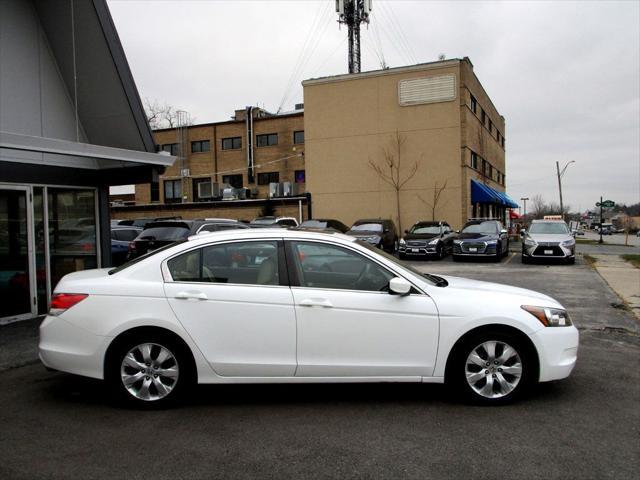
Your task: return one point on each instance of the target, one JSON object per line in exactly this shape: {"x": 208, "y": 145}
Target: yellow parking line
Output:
{"x": 510, "y": 258}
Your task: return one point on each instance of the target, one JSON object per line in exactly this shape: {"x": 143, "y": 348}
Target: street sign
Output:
{"x": 606, "y": 204}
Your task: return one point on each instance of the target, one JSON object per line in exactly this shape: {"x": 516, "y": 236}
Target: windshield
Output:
{"x": 483, "y": 227}
{"x": 164, "y": 233}
{"x": 425, "y": 229}
{"x": 142, "y": 257}
{"x": 550, "y": 228}
{"x": 367, "y": 227}
{"x": 263, "y": 221}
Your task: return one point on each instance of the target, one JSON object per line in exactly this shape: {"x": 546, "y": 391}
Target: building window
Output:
{"x": 474, "y": 160}
{"x": 172, "y": 191}
{"x": 503, "y": 179}
{"x": 267, "y": 140}
{"x": 200, "y": 146}
{"x": 298, "y": 137}
{"x": 490, "y": 174}
{"x": 232, "y": 143}
{"x": 474, "y": 104}
{"x": 202, "y": 189}
{"x": 502, "y": 142}
{"x": 490, "y": 127}
{"x": 268, "y": 177}
{"x": 299, "y": 176}
{"x": 483, "y": 116}
{"x": 234, "y": 180}
{"x": 154, "y": 191}
{"x": 484, "y": 167}
{"x": 172, "y": 148}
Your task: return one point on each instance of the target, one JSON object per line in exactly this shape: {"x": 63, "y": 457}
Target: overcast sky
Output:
{"x": 565, "y": 75}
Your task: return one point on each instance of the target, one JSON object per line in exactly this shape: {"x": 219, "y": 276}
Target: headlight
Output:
{"x": 549, "y": 317}
{"x": 434, "y": 241}
{"x": 492, "y": 242}
{"x": 569, "y": 243}
{"x": 372, "y": 239}
{"x": 402, "y": 242}
{"x": 457, "y": 242}
{"x": 529, "y": 242}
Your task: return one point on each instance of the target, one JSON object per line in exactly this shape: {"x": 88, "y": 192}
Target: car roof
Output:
{"x": 371, "y": 220}
{"x": 430, "y": 222}
{"x": 547, "y": 221}
{"x": 259, "y": 233}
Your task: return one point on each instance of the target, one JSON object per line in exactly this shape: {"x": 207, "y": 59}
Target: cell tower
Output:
{"x": 352, "y": 13}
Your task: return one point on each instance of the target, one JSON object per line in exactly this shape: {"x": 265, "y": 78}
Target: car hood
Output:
{"x": 478, "y": 236}
{"x": 420, "y": 236}
{"x": 545, "y": 237}
{"x": 489, "y": 288}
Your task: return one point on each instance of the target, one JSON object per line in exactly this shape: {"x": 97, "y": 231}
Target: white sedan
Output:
{"x": 286, "y": 306}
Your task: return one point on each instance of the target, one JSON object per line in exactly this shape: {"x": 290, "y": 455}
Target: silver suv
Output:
{"x": 548, "y": 239}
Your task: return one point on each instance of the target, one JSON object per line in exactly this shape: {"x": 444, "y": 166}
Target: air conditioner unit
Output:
{"x": 205, "y": 190}
{"x": 285, "y": 189}
{"x": 185, "y": 172}
{"x": 274, "y": 190}
{"x": 229, "y": 194}
{"x": 241, "y": 193}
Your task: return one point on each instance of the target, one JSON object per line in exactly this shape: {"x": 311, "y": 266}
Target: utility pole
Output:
{"x": 352, "y": 13}
{"x": 601, "y": 221}
{"x": 560, "y": 174}
{"x": 524, "y": 200}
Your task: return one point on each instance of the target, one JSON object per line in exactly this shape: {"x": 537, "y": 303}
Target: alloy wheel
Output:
{"x": 493, "y": 369}
{"x": 149, "y": 371}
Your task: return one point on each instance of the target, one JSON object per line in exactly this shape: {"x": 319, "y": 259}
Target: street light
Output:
{"x": 560, "y": 174}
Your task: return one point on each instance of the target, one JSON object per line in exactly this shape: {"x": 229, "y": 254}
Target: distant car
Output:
{"x": 160, "y": 234}
{"x": 377, "y": 232}
{"x": 268, "y": 222}
{"x": 323, "y": 224}
{"x": 578, "y": 232}
{"x": 427, "y": 239}
{"x": 481, "y": 238}
{"x": 548, "y": 239}
{"x": 121, "y": 237}
{"x": 141, "y": 222}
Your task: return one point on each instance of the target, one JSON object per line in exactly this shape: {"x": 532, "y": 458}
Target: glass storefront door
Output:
{"x": 15, "y": 258}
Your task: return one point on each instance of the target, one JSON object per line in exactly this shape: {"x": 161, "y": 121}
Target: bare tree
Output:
{"x": 389, "y": 169}
{"x": 538, "y": 206}
{"x": 161, "y": 115}
{"x": 435, "y": 200}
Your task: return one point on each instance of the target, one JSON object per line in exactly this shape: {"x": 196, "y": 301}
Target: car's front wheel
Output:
{"x": 492, "y": 368}
{"x": 149, "y": 370}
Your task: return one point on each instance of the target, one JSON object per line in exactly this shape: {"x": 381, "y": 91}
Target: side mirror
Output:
{"x": 503, "y": 232}
{"x": 399, "y": 286}
{"x": 386, "y": 230}
{"x": 523, "y": 232}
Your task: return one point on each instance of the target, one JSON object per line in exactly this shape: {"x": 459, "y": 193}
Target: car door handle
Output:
{"x": 316, "y": 302}
{"x": 190, "y": 296}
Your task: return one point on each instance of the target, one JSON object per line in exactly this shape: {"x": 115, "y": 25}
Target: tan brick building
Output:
{"x": 220, "y": 153}
{"x": 446, "y": 124}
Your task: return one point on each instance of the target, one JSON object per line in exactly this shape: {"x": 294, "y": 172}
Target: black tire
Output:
{"x": 402, "y": 256}
{"x": 457, "y": 369}
{"x": 499, "y": 255}
{"x": 525, "y": 259}
{"x": 506, "y": 252}
{"x": 571, "y": 260}
{"x": 440, "y": 251}
{"x": 456, "y": 258}
{"x": 180, "y": 361}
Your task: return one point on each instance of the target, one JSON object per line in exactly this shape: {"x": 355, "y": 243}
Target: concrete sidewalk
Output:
{"x": 622, "y": 277}
{"x": 19, "y": 343}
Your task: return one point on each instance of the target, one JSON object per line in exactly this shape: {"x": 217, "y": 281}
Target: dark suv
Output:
{"x": 481, "y": 238}
{"x": 427, "y": 239}
{"x": 159, "y": 234}
{"x": 324, "y": 224}
{"x": 377, "y": 232}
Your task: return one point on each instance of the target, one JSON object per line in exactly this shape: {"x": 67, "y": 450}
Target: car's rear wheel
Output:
{"x": 149, "y": 370}
{"x": 498, "y": 256}
{"x": 492, "y": 368}
{"x": 440, "y": 251}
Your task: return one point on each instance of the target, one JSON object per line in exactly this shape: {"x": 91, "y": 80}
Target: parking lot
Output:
{"x": 57, "y": 425}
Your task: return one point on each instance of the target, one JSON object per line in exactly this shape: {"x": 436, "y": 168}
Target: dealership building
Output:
{"x": 71, "y": 125}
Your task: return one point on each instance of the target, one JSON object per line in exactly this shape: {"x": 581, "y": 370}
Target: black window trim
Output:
{"x": 231, "y": 139}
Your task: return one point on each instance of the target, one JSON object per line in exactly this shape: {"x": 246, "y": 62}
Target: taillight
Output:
{"x": 60, "y": 302}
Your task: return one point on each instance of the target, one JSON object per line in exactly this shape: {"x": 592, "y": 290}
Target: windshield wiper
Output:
{"x": 439, "y": 281}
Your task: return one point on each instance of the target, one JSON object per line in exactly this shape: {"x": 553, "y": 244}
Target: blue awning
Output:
{"x": 481, "y": 193}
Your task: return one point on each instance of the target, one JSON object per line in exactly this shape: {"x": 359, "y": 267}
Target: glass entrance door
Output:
{"x": 15, "y": 261}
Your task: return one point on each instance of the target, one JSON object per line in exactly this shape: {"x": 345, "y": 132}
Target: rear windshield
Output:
{"x": 425, "y": 229}
{"x": 164, "y": 233}
{"x": 143, "y": 257}
{"x": 265, "y": 221}
{"x": 314, "y": 224}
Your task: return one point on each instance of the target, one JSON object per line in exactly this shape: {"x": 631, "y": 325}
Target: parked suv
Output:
{"x": 159, "y": 234}
{"x": 548, "y": 239}
{"x": 481, "y": 238}
{"x": 324, "y": 224}
{"x": 377, "y": 232}
{"x": 426, "y": 239}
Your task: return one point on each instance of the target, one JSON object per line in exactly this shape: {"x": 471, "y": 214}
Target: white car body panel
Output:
{"x": 277, "y": 340}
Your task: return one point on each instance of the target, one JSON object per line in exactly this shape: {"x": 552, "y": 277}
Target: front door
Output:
{"x": 234, "y": 301}
{"x": 348, "y": 323}
{"x": 15, "y": 259}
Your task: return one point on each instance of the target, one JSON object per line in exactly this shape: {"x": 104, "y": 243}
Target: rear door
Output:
{"x": 234, "y": 300}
